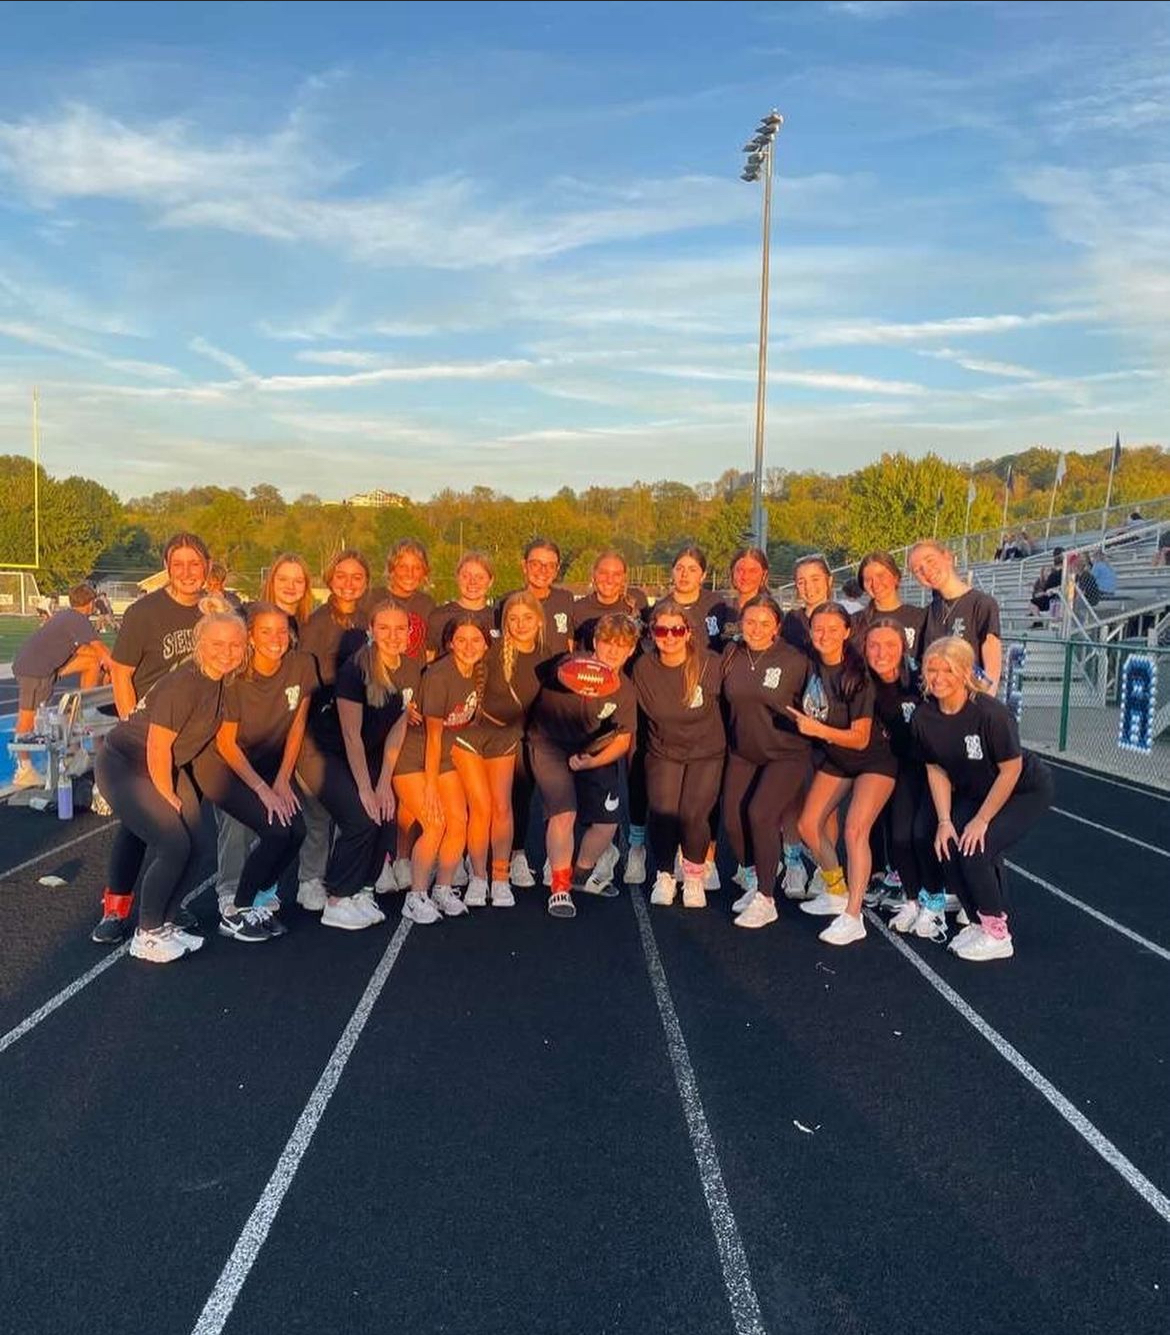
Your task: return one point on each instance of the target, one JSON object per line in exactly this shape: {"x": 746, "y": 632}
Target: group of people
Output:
{"x": 381, "y": 742}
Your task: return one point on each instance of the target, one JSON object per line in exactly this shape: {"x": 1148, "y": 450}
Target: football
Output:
{"x": 587, "y": 676}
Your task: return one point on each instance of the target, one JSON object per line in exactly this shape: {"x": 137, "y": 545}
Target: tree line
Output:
{"x": 86, "y": 529}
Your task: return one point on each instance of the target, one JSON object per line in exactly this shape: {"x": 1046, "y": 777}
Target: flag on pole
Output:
{"x": 1061, "y": 469}
{"x": 971, "y": 492}
{"x": 1008, "y": 483}
{"x": 1116, "y": 452}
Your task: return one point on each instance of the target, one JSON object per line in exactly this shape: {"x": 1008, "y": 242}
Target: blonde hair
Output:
{"x": 522, "y": 598}
{"x": 480, "y": 559}
{"x": 379, "y": 679}
{"x": 401, "y": 548}
{"x": 959, "y": 654}
{"x": 268, "y": 592}
{"x": 217, "y": 611}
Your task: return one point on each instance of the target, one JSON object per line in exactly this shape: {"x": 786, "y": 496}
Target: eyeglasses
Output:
{"x": 669, "y": 632}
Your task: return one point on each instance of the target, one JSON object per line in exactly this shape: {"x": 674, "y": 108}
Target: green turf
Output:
{"x": 15, "y": 630}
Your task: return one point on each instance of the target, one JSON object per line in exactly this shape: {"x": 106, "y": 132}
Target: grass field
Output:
{"x": 15, "y": 630}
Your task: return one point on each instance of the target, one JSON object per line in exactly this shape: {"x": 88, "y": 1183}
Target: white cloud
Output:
{"x": 840, "y": 382}
{"x": 1006, "y": 369}
{"x": 339, "y": 357}
{"x": 883, "y": 333}
{"x": 51, "y": 342}
{"x": 225, "y": 359}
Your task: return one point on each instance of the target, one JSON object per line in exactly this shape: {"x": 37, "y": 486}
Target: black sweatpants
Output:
{"x": 681, "y": 796}
{"x": 912, "y": 826}
{"x": 975, "y": 877}
{"x": 360, "y": 845}
{"x": 151, "y": 832}
{"x": 277, "y": 845}
{"x": 755, "y": 798}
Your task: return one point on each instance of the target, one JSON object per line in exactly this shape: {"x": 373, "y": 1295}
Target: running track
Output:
{"x": 642, "y": 1121}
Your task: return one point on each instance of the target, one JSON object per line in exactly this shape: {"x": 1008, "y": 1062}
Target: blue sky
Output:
{"x": 342, "y": 246}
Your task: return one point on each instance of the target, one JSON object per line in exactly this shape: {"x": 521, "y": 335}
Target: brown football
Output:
{"x": 587, "y": 676}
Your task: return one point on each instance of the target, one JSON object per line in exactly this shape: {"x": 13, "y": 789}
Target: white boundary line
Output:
{"x": 1108, "y": 829}
{"x": 68, "y": 992}
{"x": 1090, "y": 910}
{"x": 1095, "y": 1139}
{"x": 737, "y": 1276}
{"x": 1104, "y": 778}
{"x": 219, "y": 1305}
{"x": 60, "y": 848}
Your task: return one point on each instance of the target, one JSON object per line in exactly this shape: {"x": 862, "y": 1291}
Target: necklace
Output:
{"x": 753, "y": 659}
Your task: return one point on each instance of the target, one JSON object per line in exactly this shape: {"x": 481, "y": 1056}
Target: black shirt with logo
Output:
{"x": 571, "y": 721}
{"x": 331, "y": 642}
{"x": 911, "y": 619}
{"x": 706, "y": 615}
{"x": 757, "y": 690}
{"x": 156, "y": 635}
{"x": 676, "y": 728}
{"x": 378, "y": 720}
{"x": 508, "y": 702}
{"x": 970, "y": 746}
{"x": 558, "y": 619}
{"x": 972, "y": 616}
{"x": 894, "y": 706}
{"x": 445, "y": 613}
{"x": 588, "y": 611}
{"x": 263, "y": 709}
{"x": 184, "y": 702}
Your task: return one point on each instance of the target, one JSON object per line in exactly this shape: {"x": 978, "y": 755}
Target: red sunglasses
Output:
{"x": 669, "y": 632}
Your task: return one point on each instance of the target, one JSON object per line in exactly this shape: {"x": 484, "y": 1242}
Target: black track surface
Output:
{"x": 507, "y": 1149}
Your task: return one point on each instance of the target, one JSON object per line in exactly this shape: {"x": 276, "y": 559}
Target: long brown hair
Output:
{"x": 479, "y": 674}
{"x": 691, "y": 671}
{"x": 346, "y": 619}
{"x": 379, "y": 679}
{"x": 268, "y": 592}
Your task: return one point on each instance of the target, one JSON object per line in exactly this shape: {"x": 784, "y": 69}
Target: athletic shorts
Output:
{"x": 840, "y": 764}
{"x": 411, "y": 759}
{"x": 489, "y": 740}
{"x": 595, "y": 795}
{"x": 35, "y": 691}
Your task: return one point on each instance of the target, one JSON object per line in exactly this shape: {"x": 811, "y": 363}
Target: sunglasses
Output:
{"x": 669, "y": 632}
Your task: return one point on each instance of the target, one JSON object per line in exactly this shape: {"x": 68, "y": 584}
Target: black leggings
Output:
{"x": 912, "y": 827}
{"x": 681, "y": 796}
{"x": 151, "y": 832}
{"x": 361, "y": 845}
{"x": 755, "y": 798}
{"x": 277, "y": 844}
{"x": 975, "y": 877}
{"x": 523, "y": 790}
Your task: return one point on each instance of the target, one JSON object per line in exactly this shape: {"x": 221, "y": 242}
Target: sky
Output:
{"x": 336, "y": 247}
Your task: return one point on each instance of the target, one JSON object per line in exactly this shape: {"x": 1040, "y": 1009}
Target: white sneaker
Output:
{"x": 930, "y": 926}
{"x": 402, "y": 873}
{"x": 188, "y": 940}
{"x": 158, "y": 946}
{"x": 903, "y": 921}
{"x": 27, "y": 776}
{"x": 694, "y": 893}
{"x": 502, "y": 896}
{"x": 665, "y": 889}
{"x": 462, "y": 874}
{"x": 520, "y": 873}
{"x": 365, "y": 901}
{"x": 311, "y": 895}
{"x": 546, "y": 874}
{"x": 962, "y": 938}
{"x": 742, "y": 876}
{"x": 387, "y": 879}
{"x": 347, "y": 915}
{"x": 744, "y": 900}
{"x": 817, "y": 885}
{"x": 711, "y": 879}
{"x": 981, "y": 945}
{"x": 600, "y": 879}
{"x": 476, "y": 894}
{"x": 825, "y": 905}
{"x": 759, "y": 913}
{"x": 843, "y": 930}
{"x": 446, "y": 898}
{"x": 679, "y": 871}
{"x": 418, "y": 907}
{"x": 795, "y": 880}
{"x": 635, "y": 872}
{"x": 961, "y": 918}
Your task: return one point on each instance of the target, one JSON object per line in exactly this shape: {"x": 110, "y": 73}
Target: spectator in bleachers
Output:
{"x": 1103, "y": 573}
{"x": 1046, "y": 590}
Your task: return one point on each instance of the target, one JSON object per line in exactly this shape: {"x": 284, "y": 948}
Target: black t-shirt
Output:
{"x": 677, "y": 728}
{"x": 445, "y": 613}
{"x": 506, "y": 703}
{"x": 794, "y": 630}
{"x": 378, "y": 720}
{"x": 588, "y": 611}
{"x": 156, "y": 635}
{"x": 894, "y": 706}
{"x": 331, "y": 642}
{"x": 911, "y": 619}
{"x": 51, "y": 646}
{"x": 186, "y": 703}
{"x": 757, "y": 689}
{"x": 448, "y": 695}
{"x": 558, "y": 618}
{"x": 706, "y": 616}
{"x": 972, "y": 616}
{"x": 971, "y": 745}
{"x": 571, "y": 721}
{"x": 840, "y": 712}
{"x": 263, "y": 708}
{"x": 726, "y": 613}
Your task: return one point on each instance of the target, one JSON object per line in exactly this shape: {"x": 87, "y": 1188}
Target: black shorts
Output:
{"x": 35, "y": 691}
{"x": 843, "y": 764}
{"x": 411, "y": 759}
{"x": 491, "y": 741}
{"x": 595, "y": 795}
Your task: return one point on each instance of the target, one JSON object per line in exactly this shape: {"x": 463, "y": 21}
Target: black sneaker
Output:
{"x": 268, "y": 915}
{"x": 243, "y": 925}
{"x": 183, "y": 918}
{"x": 110, "y": 931}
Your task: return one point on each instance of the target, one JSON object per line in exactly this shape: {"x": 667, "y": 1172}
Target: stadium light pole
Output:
{"x": 760, "y": 151}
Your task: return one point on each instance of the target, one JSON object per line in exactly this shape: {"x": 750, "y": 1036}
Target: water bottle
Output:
{"x": 64, "y": 794}
{"x": 815, "y": 703}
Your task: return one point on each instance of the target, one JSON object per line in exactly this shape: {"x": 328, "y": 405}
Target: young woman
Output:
{"x": 958, "y": 609}
{"x": 576, "y": 742}
{"x": 813, "y": 581}
{"x": 144, "y": 769}
{"x": 350, "y": 772}
{"x": 485, "y": 753}
{"x": 332, "y": 634}
{"x": 986, "y": 792}
{"x": 156, "y": 635}
{"x": 473, "y": 578}
{"x": 879, "y": 575}
{"x": 427, "y": 781}
{"x": 920, "y": 902}
{"x": 853, "y": 760}
{"x": 248, "y": 773}
{"x": 611, "y": 592}
{"x": 678, "y": 694}
{"x": 749, "y": 578}
{"x": 704, "y": 607}
{"x": 408, "y": 567}
{"x": 767, "y": 757}
{"x": 289, "y": 586}
{"x": 541, "y": 566}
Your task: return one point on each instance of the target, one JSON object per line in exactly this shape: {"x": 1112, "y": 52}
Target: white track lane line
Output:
{"x": 68, "y": 992}
{"x": 737, "y": 1276}
{"x": 1094, "y": 777}
{"x": 60, "y": 848}
{"x": 1095, "y": 1139}
{"x": 1108, "y": 829}
{"x": 232, "y": 1278}
{"x": 1109, "y": 922}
